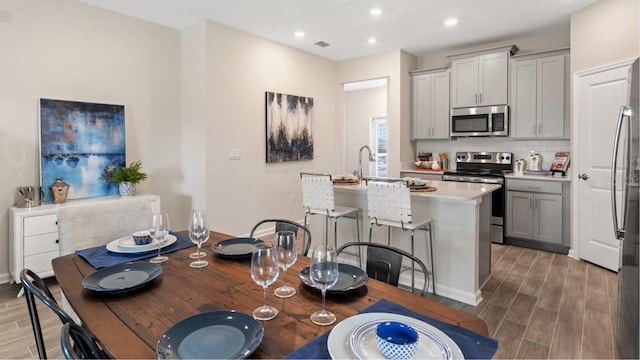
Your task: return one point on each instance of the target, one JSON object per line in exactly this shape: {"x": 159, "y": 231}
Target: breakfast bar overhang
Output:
{"x": 461, "y": 217}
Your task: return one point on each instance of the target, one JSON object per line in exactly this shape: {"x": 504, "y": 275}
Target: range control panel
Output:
{"x": 484, "y": 157}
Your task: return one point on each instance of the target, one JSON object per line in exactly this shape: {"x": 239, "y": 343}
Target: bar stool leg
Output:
{"x": 413, "y": 264}
{"x": 433, "y": 265}
{"x": 358, "y": 235}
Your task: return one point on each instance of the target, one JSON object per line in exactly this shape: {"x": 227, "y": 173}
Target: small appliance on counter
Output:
{"x": 535, "y": 162}
{"x": 519, "y": 167}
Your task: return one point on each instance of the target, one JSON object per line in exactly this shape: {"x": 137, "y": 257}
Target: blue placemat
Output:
{"x": 472, "y": 345}
{"x": 100, "y": 257}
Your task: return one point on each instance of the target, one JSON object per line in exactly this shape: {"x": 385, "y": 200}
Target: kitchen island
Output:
{"x": 461, "y": 215}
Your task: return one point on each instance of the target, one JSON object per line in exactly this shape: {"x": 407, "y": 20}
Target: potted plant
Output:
{"x": 127, "y": 177}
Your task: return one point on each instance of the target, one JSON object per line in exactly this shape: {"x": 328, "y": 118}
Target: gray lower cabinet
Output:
{"x": 422, "y": 175}
{"x": 537, "y": 211}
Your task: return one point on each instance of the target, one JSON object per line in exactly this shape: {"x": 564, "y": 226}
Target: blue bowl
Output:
{"x": 396, "y": 340}
{"x": 142, "y": 237}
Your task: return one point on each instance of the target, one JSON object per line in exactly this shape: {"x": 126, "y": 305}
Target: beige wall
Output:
{"x": 360, "y": 107}
{"x": 63, "y": 49}
{"x": 240, "y": 68}
{"x": 605, "y": 32}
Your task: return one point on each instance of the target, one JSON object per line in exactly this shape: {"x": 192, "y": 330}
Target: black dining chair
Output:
{"x": 384, "y": 263}
{"x": 78, "y": 343}
{"x": 34, "y": 287}
{"x": 284, "y": 225}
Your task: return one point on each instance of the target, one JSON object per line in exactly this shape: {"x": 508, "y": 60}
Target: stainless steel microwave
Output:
{"x": 480, "y": 121}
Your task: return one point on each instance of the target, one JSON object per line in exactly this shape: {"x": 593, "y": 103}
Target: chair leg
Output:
{"x": 35, "y": 323}
{"x": 389, "y": 235}
{"x": 326, "y": 231}
{"x": 413, "y": 265}
{"x": 433, "y": 265}
{"x": 358, "y": 235}
{"x": 335, "y": 232}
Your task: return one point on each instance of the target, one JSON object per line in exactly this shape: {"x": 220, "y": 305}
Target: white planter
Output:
{"x": 127, "y": 189}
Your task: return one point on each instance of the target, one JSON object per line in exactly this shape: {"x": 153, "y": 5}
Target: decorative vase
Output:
{"x": 59, "y": 190}
{"x": 127, "y": 189}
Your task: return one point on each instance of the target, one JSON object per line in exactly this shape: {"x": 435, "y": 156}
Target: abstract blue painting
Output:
{"x": 82, "y": 143}
{"x": 289, "y": 131}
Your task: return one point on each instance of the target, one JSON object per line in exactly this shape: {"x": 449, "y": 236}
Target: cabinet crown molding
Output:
{"x": 542, "y": 53}
{"x": 512, "y": 49}
{"x": 428, "y": 71}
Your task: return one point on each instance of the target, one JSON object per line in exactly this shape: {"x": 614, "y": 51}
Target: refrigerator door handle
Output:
{"x": 618, "y": 231}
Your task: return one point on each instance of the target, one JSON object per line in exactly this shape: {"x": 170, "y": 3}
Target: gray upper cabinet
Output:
{"x": 480, "y": 78}
{"x": 430, "y": 99}
{"x": 539, "y": 89}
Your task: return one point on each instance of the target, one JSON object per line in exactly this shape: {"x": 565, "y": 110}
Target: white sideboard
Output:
{"x": 33, "y": 234}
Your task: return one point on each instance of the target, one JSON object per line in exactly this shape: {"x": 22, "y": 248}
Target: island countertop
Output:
{"x": 451, "y": 190}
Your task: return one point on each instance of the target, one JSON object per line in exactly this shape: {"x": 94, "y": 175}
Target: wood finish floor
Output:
{"x": 538, "y": 305}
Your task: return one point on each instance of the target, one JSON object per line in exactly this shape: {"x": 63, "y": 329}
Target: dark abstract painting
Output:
{"x": 82, "y": 143}
{"x": 289, "y": 130}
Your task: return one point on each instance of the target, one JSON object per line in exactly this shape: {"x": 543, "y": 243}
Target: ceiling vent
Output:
{"x": 321, "y": 43}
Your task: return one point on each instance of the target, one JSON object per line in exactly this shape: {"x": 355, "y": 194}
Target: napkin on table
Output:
{"x": 472, "y": 345}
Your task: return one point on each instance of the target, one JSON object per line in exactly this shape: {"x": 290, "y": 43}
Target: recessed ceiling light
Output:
{"x": 298, "y": 34}
{"x": 375, "y": 12}
{"x": 451, "y": 21}
{"x": 372, "y": 40}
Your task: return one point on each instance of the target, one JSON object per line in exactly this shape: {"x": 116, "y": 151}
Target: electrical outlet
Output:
{"x": 234, "y": 154}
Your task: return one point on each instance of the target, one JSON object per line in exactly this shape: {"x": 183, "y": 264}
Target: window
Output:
{"x": 378, "y": 143}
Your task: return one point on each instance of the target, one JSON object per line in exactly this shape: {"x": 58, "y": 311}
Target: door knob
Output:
{"x": 583, "y": 176}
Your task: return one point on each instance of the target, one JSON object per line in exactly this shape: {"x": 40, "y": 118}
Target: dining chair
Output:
{"x": 86, "y": 225}
{"x": 78, "y": 343}
{"x": 34, "y": 287}
{"x": 272, "y": 226}
{"x": 318, "y": 199}
{"x": 389, "y": 204}
{"x": 384, "y": 263}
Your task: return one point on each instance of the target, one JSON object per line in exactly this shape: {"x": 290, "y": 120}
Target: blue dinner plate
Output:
{"x": 219, "y": 334}
{"x": 121, "y": 277}
{"x": 349, "y": 278}
{"x": 237, "y": 248}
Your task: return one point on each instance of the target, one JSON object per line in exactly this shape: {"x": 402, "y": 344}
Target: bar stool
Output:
{"x": 389, "y": 204}
{"x": 318, "y": 199}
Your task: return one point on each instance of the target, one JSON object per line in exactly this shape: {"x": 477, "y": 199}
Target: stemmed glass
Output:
{"x": 199, "y": 234}
{"x": 159, "y": 230}
{"x": 264, "y": 271}
{"x": 323, "y": 273}
{"x": 287, "y": 253}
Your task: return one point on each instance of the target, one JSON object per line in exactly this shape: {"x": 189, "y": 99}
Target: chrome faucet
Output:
{"x": 371, "y": 158}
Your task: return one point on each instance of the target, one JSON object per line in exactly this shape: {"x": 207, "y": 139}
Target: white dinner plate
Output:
{"x": 340, "y": 347}
{"x": 153, "y": 245}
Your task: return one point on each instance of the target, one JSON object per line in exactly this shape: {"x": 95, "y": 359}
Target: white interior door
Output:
{"x": 599, "y": 95}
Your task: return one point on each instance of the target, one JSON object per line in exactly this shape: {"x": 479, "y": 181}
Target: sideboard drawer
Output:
{"x": 41, "y": 243}
{"x": 40, "y": 263}
{"x": 42, "y": 224}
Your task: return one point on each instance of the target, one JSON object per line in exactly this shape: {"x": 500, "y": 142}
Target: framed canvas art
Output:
{"x": 82, "y": 143}
{"x": 289, "y": 127}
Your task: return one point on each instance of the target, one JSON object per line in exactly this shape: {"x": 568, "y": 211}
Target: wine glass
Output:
{"x": 287, "y": 253}
{"x": 199, "y": 234}
{"x": 159, "y": 230}
{"x": 264, "y": 271}
{"x": 323, "y": 273}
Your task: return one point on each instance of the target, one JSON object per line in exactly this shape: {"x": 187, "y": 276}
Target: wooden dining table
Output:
{"x": 129, "y": 325}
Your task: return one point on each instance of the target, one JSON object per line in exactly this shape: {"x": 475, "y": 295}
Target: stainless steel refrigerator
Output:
{"x": 627, "y": 222}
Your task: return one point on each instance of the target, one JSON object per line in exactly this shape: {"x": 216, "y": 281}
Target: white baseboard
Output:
{"x": 6, "y": 278}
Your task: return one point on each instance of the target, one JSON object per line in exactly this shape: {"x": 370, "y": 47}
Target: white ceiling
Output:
{"x": 415, "y": 26}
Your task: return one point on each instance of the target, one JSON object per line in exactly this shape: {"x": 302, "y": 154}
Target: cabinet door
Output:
{"x": 440, "y": 106}
{"x": 523, "y": 98}
{"x": 548, "y": 218}
{"x": 551, "y": 96}
{"x": 421, "y": 106}
{"x": 465, "y": 82}
{"x": 493, "y": 76}
{"x": 520, "y": 214}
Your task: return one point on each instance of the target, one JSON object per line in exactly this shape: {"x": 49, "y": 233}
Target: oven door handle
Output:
{"x": 472, "y": 179}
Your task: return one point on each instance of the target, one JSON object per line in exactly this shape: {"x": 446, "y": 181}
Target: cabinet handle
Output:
{"x": 539, "y": 128}
{"x": 530, "y": 204}
{"x": 480, "y": 98}
{"x": 534, "y": 128}
{"x": 537, "y": 205}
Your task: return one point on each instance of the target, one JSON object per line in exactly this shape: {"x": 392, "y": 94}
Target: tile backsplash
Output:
{"x": 520, "y": 148}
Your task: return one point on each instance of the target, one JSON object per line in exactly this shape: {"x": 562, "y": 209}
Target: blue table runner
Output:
{"x": 472, "y": 345}
{"x": 100, "y": 257}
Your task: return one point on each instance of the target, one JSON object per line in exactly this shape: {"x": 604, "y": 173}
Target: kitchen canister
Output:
{"x": 59, "y": 190}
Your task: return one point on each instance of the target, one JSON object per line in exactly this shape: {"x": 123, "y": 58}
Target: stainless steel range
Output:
{"x": 488, "y": 168}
